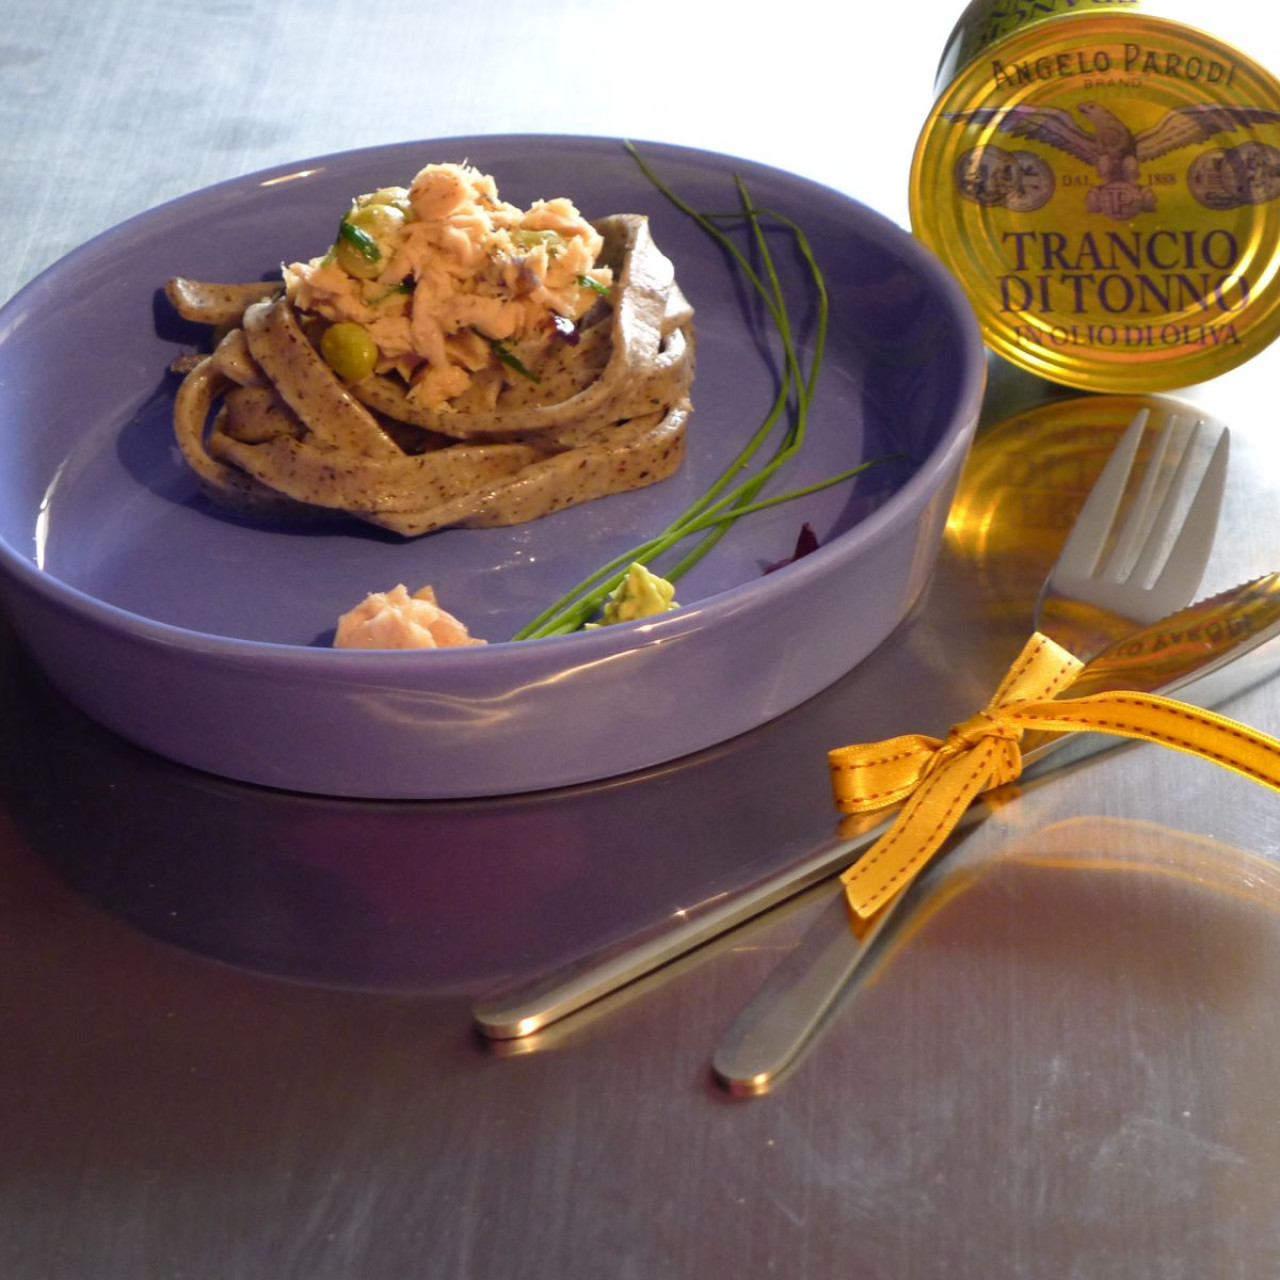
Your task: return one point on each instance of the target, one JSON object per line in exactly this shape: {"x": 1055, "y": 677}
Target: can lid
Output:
{"x": 1107, "y": 191}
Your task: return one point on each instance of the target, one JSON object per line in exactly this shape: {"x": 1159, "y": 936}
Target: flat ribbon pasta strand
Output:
{"x": 606, "y": 413}
{"x": 939, "y": 778}
{"x": 230, "y": 486}
{"x": 627, "y": 456}
{"x": 308, "y": 386}
{"x": 205, "y": 303}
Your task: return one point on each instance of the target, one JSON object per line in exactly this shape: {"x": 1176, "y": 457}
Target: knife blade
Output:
{"x": 1193, "y": 652}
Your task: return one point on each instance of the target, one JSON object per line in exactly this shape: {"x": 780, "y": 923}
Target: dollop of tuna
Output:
{"x": 397, "y": 620}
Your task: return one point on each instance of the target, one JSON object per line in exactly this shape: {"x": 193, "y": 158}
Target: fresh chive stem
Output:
{"x": 509, "y": 357}
{"x": 363, "y": 242}
{"x": 714, "y": 511}
{"x": 571, "y": 618}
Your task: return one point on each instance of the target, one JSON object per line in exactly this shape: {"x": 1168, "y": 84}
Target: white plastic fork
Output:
{"x": 1122, "y": 599}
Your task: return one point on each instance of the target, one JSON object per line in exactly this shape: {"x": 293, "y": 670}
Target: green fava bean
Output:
{"x": 349, "y": 351}
{"x": 362, "y": 253}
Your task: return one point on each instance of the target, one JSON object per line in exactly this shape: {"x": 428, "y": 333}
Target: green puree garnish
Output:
{"x": 710, "y": 517}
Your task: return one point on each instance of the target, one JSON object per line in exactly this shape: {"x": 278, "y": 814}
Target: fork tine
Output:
{"x": 1145, "y": 567}
{"x": 1150, "y": 510}
{"x": 1084, "y": 544}
{"x": 1190, "y": 553}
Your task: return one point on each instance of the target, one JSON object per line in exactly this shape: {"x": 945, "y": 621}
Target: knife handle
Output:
{"x": 771, "y": 1030}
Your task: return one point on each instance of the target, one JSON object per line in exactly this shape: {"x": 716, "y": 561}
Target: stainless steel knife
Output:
{"x": 1193, "y": 653}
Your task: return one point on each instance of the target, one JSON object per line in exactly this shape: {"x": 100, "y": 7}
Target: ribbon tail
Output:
{"x": 923, "y": 823}
{"x": 864, "y": 780}
{"x": 1151, "y": 718}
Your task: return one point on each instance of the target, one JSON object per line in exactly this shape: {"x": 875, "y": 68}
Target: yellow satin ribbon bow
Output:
{"x": 940, "y": 778}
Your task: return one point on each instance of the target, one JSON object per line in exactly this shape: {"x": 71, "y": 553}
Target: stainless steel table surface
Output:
{"x": 234, "y": 1035}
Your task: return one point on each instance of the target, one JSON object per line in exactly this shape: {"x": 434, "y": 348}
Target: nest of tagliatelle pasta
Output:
{"x": 450, "y": 360}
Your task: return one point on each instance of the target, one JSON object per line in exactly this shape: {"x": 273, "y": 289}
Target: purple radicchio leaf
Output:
{"x": 566, "y": 329}
{"x": 807, "y": 542}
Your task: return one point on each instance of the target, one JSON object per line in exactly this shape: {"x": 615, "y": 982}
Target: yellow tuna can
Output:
{"x": 1105, "y": 184}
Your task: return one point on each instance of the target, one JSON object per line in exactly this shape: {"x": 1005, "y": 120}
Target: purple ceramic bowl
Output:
{"x": 206, "y": 638}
